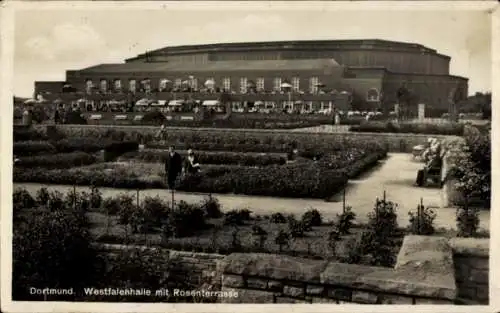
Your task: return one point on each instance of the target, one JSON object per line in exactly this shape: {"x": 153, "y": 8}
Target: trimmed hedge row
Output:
{"x": 454, "y": 129}
{"x": 88, "y": 145}
{"x": 205, "y": 157}
{"x": 306, "y": 181}
{"x": 58, "y": 160}
{"x": 22, "y": 133}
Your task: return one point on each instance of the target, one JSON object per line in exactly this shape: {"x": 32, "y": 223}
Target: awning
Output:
{"x": 176, "y": 102}
{"x": 209, "y": 83}
{"x": 30, "y": 101}
{"x": 259, "y": 103}
{"x": 211, "y": 102}
{"x": 286, "y": 85}
{"x": 120, "y": 117}
{"x": 95, "y": 117}
{"x": 142, "y": 102}
{"x": 138, "y": 117}
{"x": 160, "y": 103}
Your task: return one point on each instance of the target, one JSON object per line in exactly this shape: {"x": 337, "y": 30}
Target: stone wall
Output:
{"x": 429, "y": 270}
{"x": 424, "y": 274}
{"x": 471, "y": 259}
{"x": 395, "y": 142}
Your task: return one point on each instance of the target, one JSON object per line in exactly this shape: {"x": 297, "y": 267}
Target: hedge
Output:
{"x": 205, "y": 157}
{"x": 454, "y": 129}
{"x": 88, "y": 145}
{"x": 21, "y": 133}
{"x": 59, "y": 160}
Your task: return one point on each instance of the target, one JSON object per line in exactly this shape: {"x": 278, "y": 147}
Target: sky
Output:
{"x": 73, "y": 39}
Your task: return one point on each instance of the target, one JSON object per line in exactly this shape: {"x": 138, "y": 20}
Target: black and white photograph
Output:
{"x": 247, "y": 153}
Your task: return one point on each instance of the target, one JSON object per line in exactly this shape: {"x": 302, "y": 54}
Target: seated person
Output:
{"x": 432, "y": 167}
{"x": 191, "y": 165}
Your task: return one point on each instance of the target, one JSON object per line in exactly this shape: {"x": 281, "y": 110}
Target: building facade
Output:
{"x": 371, "y": 71}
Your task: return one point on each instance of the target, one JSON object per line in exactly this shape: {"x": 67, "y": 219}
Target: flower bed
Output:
{"x": 206, "y": 157}
{"x": 59, "y": 160}
{"x": 454, "y": 129}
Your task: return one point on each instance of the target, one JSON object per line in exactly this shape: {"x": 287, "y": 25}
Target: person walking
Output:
{"x": 173, "y": 167}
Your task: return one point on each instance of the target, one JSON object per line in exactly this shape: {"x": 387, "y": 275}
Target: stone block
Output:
{"x": 433, "y": 301}
{"x": 277, "y": 267}
{"x": 394, "y": 299}
{"x": 467, "y": 292}
{"x": 233, "y": 281}
{"x": 275, "y": 285}
{"x": 248, "y": 296}
{"x": 314, "y": 289}
{"x": 479, "y": 276}
{"x": 293, "y": 291}
{"x": 340, "y": 294}
{"x": 257, "y": 283}
{"x": 482, "y": 292}
{"x": 479, "y": 247}
{"x": 364, "y": 297}
{"x": 289, "y": 300}
{"x": 322, "y": 300}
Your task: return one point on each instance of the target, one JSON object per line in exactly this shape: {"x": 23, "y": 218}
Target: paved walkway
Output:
{"x": 395, "y": 175}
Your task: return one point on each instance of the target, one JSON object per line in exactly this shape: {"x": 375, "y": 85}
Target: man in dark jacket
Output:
{"x": 173, "y": 166}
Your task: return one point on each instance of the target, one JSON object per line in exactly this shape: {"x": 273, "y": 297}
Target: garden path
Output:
{"x": 395, "y": 175}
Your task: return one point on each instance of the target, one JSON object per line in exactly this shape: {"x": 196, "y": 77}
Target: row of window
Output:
{"x": 192, "y": 83}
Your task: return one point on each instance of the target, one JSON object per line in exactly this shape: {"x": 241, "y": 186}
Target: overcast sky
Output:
{"x": 73, "y": 39}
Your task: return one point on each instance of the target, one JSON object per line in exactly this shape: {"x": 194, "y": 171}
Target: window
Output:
{"x": 132, "y": 85}
{"x": 104, "y": 85}
{"x": 277, "y": 84}
{"x": 178, "y": 83}
{"x": 117, "y": 85}
{"x": 89, "y": 85}
{"x": 313, "y": 84}
{"x": 163, "y": 84}
{"x": 372, "y": 95}
{"x": 210, "y": 83}
{"x": 243, "y": 85}
{"x": 226, "y": 83}
{"x": 194, "y": 83}
{"x": 296, "y": 84}
{"x": 260, "y": 83}
{"x": 146, "y": 85}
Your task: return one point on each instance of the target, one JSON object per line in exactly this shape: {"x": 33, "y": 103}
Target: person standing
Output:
{"x": 173, "y": 167}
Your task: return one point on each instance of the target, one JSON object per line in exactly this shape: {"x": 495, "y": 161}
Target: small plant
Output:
{"x": 186, "y": 219}
{"x": 42, "y": 196}
{"x": 282, "y": 239}
{"x": 467, "y": 222}
{"x": 422, "y": 221}
{"x": 95, "y": 197}
{"x": 261, "y": 236}
{"x": 296, "y": 228}
{"x": 22, "y": 199}
{"x": 235, "y": 239}
{"x": 212, "y": 207}
{"x": 237, "y": 217}
{"x": 345, "y": 221}
{"x": 278, "y": 218}
{"x": 312, "y": 218}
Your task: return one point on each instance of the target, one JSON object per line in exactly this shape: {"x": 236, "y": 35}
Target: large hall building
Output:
{"x": 370, "y": 72}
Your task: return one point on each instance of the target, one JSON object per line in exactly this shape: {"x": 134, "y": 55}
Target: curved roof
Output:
{"x": 216, "y": 66}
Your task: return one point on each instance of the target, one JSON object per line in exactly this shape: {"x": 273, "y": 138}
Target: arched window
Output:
{"x": 118, "y": 85}
{"x": 372, "y": 95}
{"x": 104, "y": 85}
{"x": 89, "y": 85}
{"x": 132, "y": 85}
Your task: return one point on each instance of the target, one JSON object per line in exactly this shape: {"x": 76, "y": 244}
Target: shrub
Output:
{"x": 212, "y": 207}
{"x": 155, "y": 118}
{"x": 260, "y": 235}
{"x": 312, "y": 217}
{"x": 467, "y": 222}
{"x": 155, "y": 212}
{"x": 278, "y": 218}
{"x": 42, "y": 196}
{"x": 452, "y": 129}
{"x": 30, "y": 148}
{"x": 237, "y": 217}
{"x": 422, "y": 221}
{"x": 51, "y": 250}
{"x": 186, "y": 219}
{"x": 297, "y": 229}
{"x": 345, "y": 221}
{"x": 27, "y": 134}
{"x": 21, "y": 200}
{"x": 95, "y": 197}
{"x": 59, "y": 160}
{"x": 282, "y": 239}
